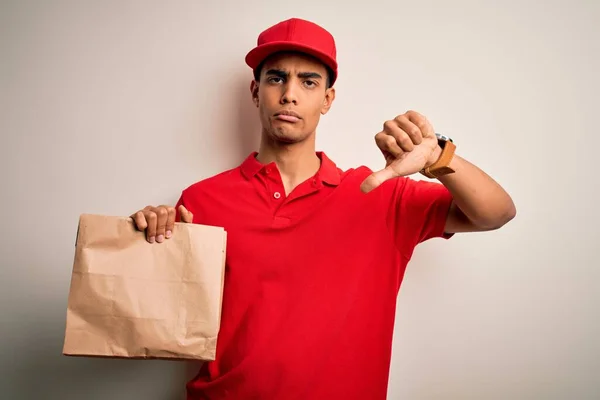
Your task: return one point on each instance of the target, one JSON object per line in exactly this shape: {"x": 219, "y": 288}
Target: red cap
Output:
{"x": 295, "y": 35}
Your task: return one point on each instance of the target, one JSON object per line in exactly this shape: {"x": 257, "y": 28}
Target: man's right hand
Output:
{"x": 158, "y": 222}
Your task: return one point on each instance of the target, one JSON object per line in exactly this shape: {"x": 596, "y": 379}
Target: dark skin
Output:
{"x": 292, "y": 82}
{"x": 295, "y": 84}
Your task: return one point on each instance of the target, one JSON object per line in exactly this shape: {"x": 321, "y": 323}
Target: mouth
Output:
{"x": 288, "y": 116}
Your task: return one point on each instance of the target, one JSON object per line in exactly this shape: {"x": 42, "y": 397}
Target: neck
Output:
{"x": 296, "y": 162}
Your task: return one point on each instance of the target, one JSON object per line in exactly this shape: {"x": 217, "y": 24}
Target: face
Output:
{"x": 291, "y": 96}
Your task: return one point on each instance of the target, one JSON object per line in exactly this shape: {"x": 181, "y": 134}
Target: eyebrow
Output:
{"x": 284, "y": 74}
{"x": 312, "y": 75}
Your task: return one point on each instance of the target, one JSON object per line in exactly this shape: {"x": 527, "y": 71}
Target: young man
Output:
{"x": 316, "y": 255}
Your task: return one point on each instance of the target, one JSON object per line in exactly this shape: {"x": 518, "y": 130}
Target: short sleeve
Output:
{"x": 418, "y": 212}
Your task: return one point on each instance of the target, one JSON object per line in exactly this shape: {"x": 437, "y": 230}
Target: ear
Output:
{"x": 254, "y": 90}
{"x": 328, "y": 101}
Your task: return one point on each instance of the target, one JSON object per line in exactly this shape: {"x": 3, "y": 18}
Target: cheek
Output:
{"x": 315, "y": 113}
{"x": 263, "y": 104}
{"x": 266, "y": 104}
{"x": 268, "y": 96}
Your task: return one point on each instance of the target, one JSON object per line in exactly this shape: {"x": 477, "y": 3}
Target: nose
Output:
{"x": 290, "y": 92}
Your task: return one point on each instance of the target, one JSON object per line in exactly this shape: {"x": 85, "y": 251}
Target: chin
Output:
{"x": 288, "y": 136}
{"x": 288, "y": 139}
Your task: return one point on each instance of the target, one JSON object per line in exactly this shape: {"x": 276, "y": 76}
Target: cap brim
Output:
{"x": 260, "y": 53}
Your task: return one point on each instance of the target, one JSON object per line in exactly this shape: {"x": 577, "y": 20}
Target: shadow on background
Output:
{"x": 33, "y": 366}
{"x": 38, "y": 370}
{"x": 237, "y": 124}
{"x": 248, "y": 122}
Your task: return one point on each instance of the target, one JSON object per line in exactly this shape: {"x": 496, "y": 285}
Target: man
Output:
{"x": 316, "y": 255}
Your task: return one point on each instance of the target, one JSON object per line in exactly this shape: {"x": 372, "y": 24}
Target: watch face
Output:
{"x": 443, "y": 137}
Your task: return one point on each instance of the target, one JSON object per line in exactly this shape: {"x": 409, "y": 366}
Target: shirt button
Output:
{"x": 277, "y": 195}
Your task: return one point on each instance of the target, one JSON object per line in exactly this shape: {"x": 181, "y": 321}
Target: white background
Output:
{"x": 107, "y": 106}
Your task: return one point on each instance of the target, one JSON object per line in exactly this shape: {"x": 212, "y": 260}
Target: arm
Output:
{"x": 409, "y": 144}
{"x": 479, "y": 202}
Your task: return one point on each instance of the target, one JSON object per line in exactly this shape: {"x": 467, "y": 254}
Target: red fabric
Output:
{"x": 296, "y": 34}
{"x": 311, "y": 279}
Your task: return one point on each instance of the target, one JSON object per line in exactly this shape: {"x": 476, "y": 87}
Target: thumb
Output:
{"x": 186, "y": 216}
{"x": 377, "y": 178}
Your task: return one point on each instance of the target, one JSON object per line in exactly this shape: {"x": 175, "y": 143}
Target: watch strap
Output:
{"x": 442, "y": 165}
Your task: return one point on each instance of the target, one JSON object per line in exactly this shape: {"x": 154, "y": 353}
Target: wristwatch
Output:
{"x": 442, "y": 166}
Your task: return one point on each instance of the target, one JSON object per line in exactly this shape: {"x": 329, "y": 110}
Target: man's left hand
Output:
{"x": 408, "y": 144}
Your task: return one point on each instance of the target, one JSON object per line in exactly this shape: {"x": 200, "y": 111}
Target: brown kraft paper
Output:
{"x": 132, "y": 299}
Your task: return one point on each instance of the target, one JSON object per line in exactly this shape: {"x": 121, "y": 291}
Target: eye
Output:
{"x": 275, "y": 79}
{"x": 310, "y": 83}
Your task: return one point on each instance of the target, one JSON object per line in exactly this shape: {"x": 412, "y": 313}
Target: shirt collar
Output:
{"x": 328, "y": 171}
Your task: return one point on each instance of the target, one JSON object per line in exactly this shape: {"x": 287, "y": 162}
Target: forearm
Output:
{"x": 481, "y": 200}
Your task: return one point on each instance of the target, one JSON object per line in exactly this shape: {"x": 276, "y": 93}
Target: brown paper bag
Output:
{"x": 129, "y": 298}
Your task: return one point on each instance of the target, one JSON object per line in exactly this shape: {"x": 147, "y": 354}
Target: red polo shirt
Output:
{"x": 311, "y": 279}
